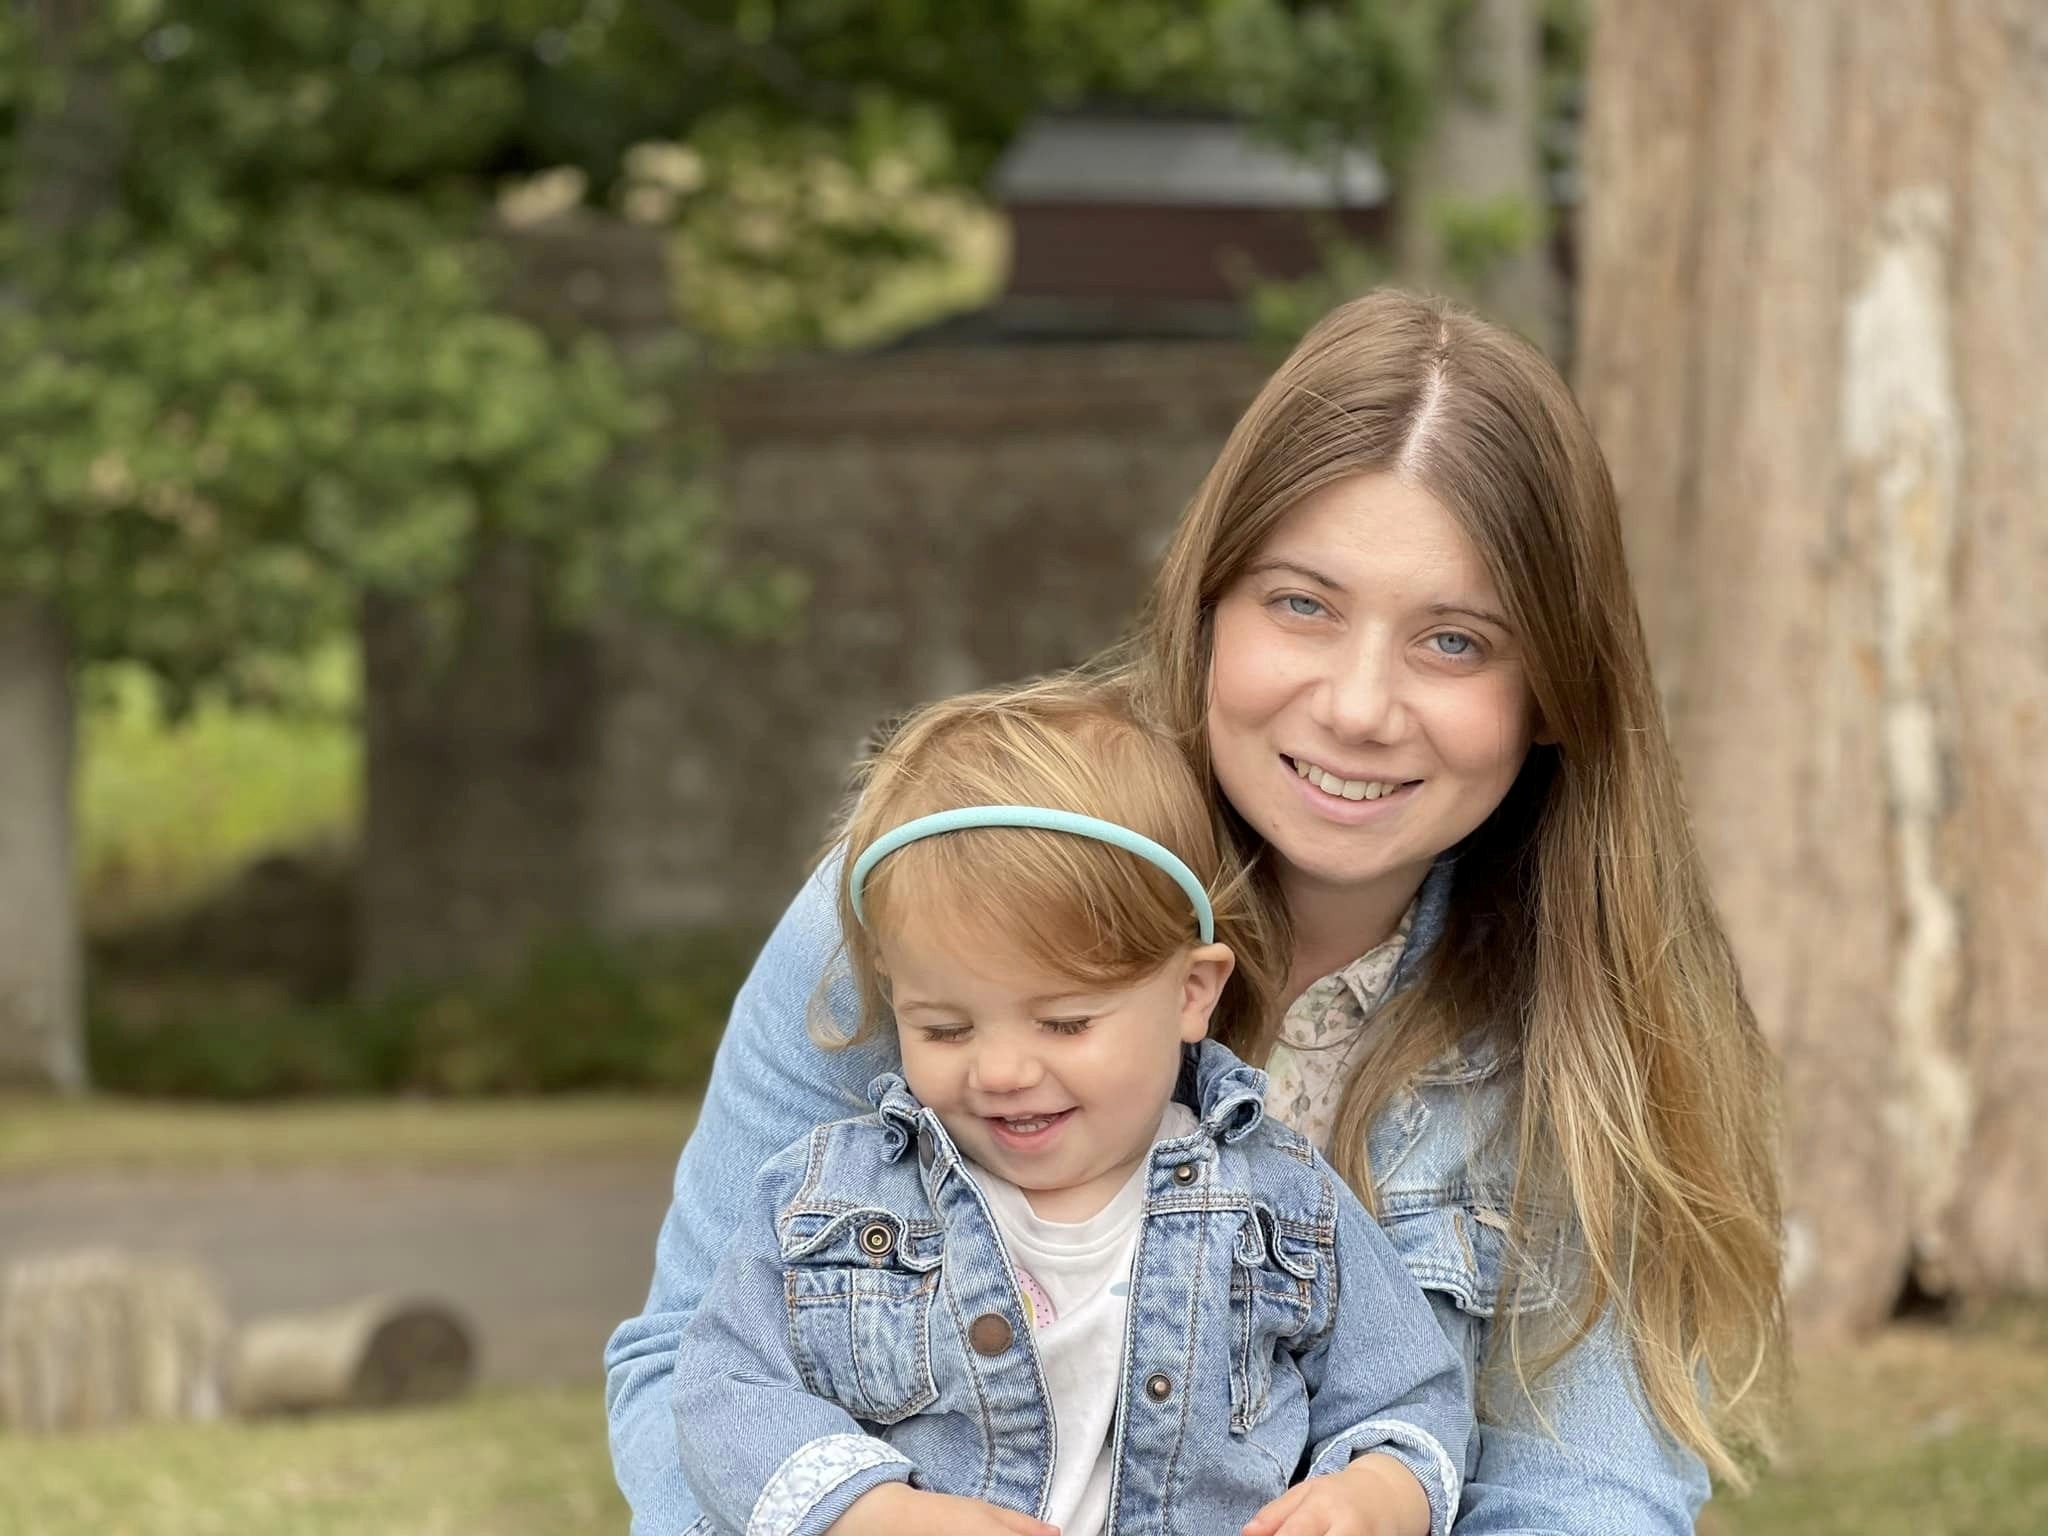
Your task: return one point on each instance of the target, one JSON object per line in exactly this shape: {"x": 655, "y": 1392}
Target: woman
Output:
{"x": 1396, "y": 633}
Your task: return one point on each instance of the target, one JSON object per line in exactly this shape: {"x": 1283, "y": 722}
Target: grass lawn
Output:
{"x": 1932, "y": 1433}
{"x": 518, "y": 1464}
{"x": 1923, "y": 1432}
{"x": 46, "y": 1136}
{"x": 167, "y": 810}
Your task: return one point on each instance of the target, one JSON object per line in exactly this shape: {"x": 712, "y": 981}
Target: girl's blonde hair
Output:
{"x": 1580, "y": 932}
{"x": 1074, "y": 906}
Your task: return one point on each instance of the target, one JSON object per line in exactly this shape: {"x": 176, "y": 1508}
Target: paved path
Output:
{"x": 544, "y": 1260}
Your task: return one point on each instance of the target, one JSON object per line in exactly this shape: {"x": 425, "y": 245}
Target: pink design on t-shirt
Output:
{"x": 1036, "y": 1302}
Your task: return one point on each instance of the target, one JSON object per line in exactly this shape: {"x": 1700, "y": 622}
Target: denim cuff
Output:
{"x": 1416, "y": 1449}
{"x": 818, "y": 1481}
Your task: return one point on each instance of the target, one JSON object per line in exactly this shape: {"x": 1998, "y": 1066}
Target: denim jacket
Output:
{"x": 1585, "y": 1458}
{"x": 866, "y": 1327}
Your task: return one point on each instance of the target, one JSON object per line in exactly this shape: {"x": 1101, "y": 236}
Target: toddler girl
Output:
{"x": 1066, "y": 1270}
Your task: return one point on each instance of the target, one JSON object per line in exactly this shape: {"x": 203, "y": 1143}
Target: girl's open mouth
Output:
{"x": 1027, "y": 1133}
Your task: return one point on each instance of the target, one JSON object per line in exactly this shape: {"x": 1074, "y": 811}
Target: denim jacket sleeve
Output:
{"x": 1383, "y": 1377}
{"x": 769, "y": 1086}
{"x": 762, "y": 1454}
{"x": 1583, "y": 1458}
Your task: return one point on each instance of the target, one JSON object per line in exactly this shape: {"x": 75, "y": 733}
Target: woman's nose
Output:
{"x": 1359, "y": 699}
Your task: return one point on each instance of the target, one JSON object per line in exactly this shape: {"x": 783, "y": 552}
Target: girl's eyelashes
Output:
{"x": 941, "y": 1034}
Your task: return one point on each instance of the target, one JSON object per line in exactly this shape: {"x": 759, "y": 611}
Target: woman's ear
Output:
{"x": 1208, "y": 967}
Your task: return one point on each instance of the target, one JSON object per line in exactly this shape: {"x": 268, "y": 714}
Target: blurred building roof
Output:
{"x": 1122, "y": 157}
{"x": 1126, "y": 225}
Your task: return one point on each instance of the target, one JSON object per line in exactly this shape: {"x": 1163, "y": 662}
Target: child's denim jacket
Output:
{"x": 866, "y": 1327}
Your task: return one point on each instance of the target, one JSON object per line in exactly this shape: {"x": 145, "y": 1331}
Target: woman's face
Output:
{"x": 1368, "y": 705}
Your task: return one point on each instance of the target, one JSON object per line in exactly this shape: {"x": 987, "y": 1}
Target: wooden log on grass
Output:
{"x": 380, "y": 1352}
{"x": 94, "y": 1338}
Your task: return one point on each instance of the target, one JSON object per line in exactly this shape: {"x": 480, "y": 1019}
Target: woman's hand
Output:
{"x": 897, "y": 1509}
{"x": 1374, "y": 1496}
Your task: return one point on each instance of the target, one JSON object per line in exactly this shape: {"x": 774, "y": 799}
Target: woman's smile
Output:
{"x": 1349, "y": 801}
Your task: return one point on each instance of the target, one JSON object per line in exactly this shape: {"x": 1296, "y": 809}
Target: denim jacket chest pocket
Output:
{"x": 859, "y": 1284}
{"x": 1444, "y": 1166}
{"x": 1274, "y": 1268}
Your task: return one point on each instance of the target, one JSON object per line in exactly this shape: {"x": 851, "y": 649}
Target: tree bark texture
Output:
{"x": 1815, "y": 292}
{"x": 1483, "y": 146}
{"x": 40, "y": 982}
{"x": 69, "y": 155}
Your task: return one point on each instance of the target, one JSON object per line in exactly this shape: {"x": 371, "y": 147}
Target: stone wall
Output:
{"x": 963, "y": 516}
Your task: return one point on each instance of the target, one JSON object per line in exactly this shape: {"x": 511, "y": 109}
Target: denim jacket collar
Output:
{"x": 1479, "y": 1053}
{"x": 900, "y": 1113}
{"x": 1432, "y": 913}
{"x": 1228, "y": 1096}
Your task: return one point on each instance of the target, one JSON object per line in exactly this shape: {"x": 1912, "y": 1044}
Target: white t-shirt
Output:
{"x": 1075, "y": 1277}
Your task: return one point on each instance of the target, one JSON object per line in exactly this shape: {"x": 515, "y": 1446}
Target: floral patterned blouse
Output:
{"x": 1321, "y": 1035}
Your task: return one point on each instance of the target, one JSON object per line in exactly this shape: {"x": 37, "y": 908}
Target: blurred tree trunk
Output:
{"x": 40, "y": 1033}
{"x": 1815, "y": 293}
{"x": 69, "y": 156}
{"x": 1477, "y": 176}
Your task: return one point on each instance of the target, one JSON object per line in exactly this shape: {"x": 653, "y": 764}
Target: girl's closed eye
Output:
{"x": 943, "y": 1034}
{"x": 1066, "y": 1026}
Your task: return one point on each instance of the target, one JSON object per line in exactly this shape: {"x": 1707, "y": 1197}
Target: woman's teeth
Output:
{"x": 1346, "y": 789}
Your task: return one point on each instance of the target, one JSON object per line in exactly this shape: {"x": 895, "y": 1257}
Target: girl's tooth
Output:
{"x": 1375, "y": 790}
{"x": 1354, "y": 791}
{"x": 1301, "y": 768}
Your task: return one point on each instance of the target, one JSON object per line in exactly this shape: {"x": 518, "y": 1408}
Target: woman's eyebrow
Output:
{"x": 1483, "y": 615}
{"x": 1307, "y": 572}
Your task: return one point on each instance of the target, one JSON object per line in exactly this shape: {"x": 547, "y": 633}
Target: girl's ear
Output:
{"x": 1208, "y": 967}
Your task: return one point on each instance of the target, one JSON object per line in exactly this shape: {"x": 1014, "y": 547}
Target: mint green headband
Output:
{"x": 1041, "y": 819}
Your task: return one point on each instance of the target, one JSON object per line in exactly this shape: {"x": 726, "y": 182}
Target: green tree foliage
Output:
{"x": 280, "y": 374}
{"x": 275, "y": 375}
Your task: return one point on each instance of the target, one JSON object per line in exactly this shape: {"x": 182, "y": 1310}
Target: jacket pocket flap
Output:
{"x": 875, "y": 1238}
{"x": 1262, "y": 1242}
{"x": 1460, "y": 1251}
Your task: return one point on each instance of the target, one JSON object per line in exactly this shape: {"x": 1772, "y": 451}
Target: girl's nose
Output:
{"x": 1001, "y": 1066}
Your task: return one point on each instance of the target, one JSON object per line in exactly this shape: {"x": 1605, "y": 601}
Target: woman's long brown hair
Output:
{"x": 1581, "y": 933}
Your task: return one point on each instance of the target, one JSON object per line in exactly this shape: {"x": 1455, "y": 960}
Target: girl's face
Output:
{"x": 1058, "y": 1090}
{"x": 1368, "y": 705}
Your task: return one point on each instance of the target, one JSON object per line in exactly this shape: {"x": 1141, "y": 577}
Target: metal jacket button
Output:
{"x": 1186, "y": 1173}
{"x": 1159, "y": 1386}
{"x": 989, "y": 1333}
{"x": 876, "y": 1239}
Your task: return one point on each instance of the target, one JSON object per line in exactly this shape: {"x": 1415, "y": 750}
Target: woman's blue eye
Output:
{"x": 1303, "y": 607}
{"x": 1454, "y": 644}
